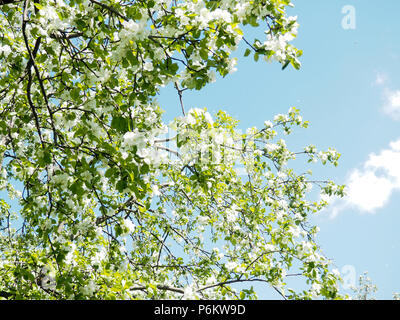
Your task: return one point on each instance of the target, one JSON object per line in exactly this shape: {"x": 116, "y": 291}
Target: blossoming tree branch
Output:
{"x": 100, "y": 199}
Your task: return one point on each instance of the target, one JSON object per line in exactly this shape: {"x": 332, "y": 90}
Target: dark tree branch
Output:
{"x": 31, "y": 63}
{"x": 29, "y": 85}
{"x": 3, "y": 2}
{"x": 180, "y": 97}
{"x": 111, "y": 9}
{"x": 64, "y": 35}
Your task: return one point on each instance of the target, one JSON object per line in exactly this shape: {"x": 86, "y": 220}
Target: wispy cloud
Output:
{"x": 370, "y": 187}
{"x": 381, "y": 78}
{"x": 391, "y": 97}
{"x": 392, "y": 103}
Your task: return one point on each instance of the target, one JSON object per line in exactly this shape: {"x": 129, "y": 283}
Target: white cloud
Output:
{"x": 369, "y": 188}
{"x": 367, "y": 191}
{"x": 388, "y": 160}
{"x": 392, "y": 104}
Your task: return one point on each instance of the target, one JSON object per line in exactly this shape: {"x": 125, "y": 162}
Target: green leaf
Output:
{"x": 295, "y": 64}
{"x": 131, "y": 58}
{"x": 47, "y": 157}
{"x": 38, "y": 5}
{"x": 121, "y": 185}
{"x": 204, "y": 54}
{"x": 286, "y": 64}
{"x": 75, "y": 93}
{"x": 120, "y": 124}
{"x": 77, "y": 189}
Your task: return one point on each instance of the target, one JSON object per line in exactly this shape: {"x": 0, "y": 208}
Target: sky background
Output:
{"x": 349, "y": 90}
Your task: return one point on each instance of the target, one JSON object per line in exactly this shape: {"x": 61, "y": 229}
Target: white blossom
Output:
{"x": 128, "y": 224}
{"x": 231, "y": 265}
{"x": 89, "y": 288}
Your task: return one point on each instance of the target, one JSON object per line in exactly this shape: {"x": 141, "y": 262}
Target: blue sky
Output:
{"x": 349, "y": 90}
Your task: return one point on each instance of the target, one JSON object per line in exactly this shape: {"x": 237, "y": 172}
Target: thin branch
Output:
{"x": 169, "y": 150}
{"x": 180, "y": 97}
{"x": 160, "y": 287}
{"x": 65, "y": 35}
{"x": 111, "y": 9}
{"x": 29, "y": 85}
